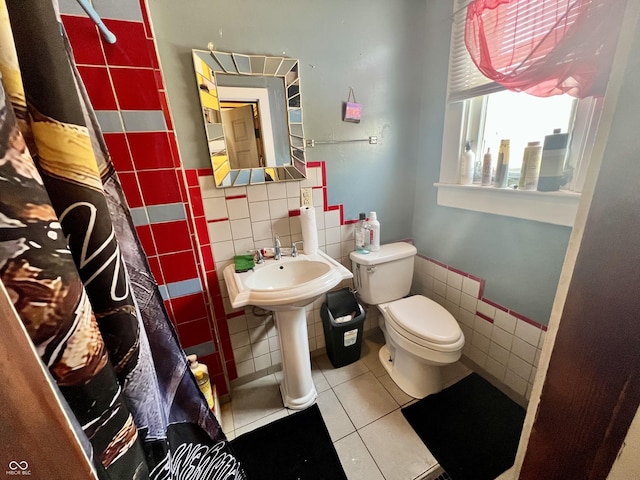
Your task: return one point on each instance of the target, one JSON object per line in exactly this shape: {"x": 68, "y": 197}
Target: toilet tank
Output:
{"x": 384, "y": 275}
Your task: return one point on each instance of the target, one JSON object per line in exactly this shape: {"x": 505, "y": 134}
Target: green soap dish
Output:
{"x": 244, "y": 263}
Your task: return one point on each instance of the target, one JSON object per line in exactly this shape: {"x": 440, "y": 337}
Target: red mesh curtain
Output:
{"x": 545, "y": 47}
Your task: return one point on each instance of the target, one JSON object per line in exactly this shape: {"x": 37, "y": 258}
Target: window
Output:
{"x": 483, "y": 112}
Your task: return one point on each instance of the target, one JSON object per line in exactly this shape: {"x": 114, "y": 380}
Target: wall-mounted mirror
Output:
{"x": 252, "y": 113}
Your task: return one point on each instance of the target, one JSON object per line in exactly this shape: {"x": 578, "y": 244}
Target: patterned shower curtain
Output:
{"x": 77, "y": 276}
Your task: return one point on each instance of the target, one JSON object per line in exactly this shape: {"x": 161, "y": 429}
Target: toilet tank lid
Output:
{"x": 387, "y": 253}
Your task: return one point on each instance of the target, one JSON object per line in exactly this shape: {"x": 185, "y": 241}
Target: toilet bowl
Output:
{"x": 421, "y": 336}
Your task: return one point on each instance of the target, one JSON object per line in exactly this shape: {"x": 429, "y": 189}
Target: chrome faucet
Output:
{"x": 277, "y": 248}
{"x": 294, "y": 248}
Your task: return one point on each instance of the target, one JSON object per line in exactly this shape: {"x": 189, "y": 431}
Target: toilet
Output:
{"x": 421, "y": 336}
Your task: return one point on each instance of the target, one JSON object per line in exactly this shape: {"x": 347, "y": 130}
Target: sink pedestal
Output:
{"x": 297, "y": 388}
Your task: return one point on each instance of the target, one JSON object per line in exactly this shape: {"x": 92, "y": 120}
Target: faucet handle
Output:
{"x": 257, "y": 255}
{"x": 294, "y": 248}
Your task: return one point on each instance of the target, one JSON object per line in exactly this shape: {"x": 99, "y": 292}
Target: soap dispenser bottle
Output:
{"x": 374, "y": 232}
{"x": 201, "y": 373}
{"x": 362, "y": 234}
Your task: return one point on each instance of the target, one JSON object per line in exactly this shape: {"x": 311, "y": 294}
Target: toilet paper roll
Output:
{"x": 309, "y": 230}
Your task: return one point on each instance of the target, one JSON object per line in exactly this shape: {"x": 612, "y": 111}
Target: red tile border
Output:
{"x": 234, "y": 197}
{"x": 527, "y": 320}
{"x": 313, "y": 164}
{"x": 150, "y": 150}
{"x": 483, "y": 316}
{"x": 494, "y": 304}
{"x": 207, "y": 259}
{"x": 179, "y": 266}
{"x": 135, "y": 88}
{"x": 131, "y": 190}
{"x": 146, "y": 239}
{"x": 205, "y": 172}
{"x": 192, "y": 177}
{"x": 294, "y": 213}
{"x": 194, "y": 332}
{"x": 159, "y": 187}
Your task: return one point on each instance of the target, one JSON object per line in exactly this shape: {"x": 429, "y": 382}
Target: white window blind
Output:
{"x": 465, "y": 80}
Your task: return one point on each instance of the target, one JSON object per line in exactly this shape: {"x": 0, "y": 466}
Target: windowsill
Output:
{"x": 558, "y": 208}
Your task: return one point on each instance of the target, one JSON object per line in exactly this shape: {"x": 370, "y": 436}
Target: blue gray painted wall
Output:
{"x": 394, "y": 54}
{"x": 372, "y": 46}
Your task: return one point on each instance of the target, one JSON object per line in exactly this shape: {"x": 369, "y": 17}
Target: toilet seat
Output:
{"x": 425, "y": 322}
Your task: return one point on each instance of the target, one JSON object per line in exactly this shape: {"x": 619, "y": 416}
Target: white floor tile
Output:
{"x": 397, "y": 449}
{"x": 336, "y": 376}
{"x": 356, "y": 459}
{"x": 365, "y": 399}
{"x": 255, "y": 400}
{"x": 335, "y": 417}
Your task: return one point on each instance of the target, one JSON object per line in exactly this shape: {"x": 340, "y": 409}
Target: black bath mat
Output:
{"x": 472, "y": 428}
{"x": 296, "y": 447}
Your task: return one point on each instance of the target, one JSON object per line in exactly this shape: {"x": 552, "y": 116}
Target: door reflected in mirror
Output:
{"x": 251, "y": 108}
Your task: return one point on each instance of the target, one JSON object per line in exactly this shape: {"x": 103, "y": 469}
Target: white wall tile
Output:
{"x": 466, "y": 318}
{"x": 260, "y": 348}
{"x": 486, "y": 309}
{"x": 275, "y": 357}
{"x": 468, "y": 302}
{"x": 241, "y": 228}
{"x": 334, "y": 251}
{"x": 214, "y": 208}
{"x": 274, "y": 344}
{"x": 294, "y": 225}
{"x": 240, "y": 339}
{"x": 347, "y": 232}
{"x": 453, "y": 295}
{"x": 262, "y": 230}
{"x": 499, "y": 354}
{"x": 454, "y": 279}
{"x": 208, "y": 188}
{"x": 276, "y": 190}
{"x": 332, "y": 218}
{"x": 257, "y": 193}
{"x": 519, "y": 366}
{"x": 524, "y": 350}
{"x": 439, "y": 288}
{"x": 293, "y": 203}
{"x": 477, "y": 356}
{"x": 515, "y": 383}
{"x": 223, "y": 250}
{"x": 259, "y": 211}
{"x": 278, "y": 208}
{"x": 440, "y": 273}
{"x": 245, "y": 368}
{"x": 505, "y": 321}
{"x": 238, "y": 208}
{"x": 332, "y": 235}
{"x": 527, "y": 332}
{"x": 502, "y": 338}
{"x": 318, "y": 198}
{"x": 495, "y": 368}
{"x": 483, "y": 326}
{"x": 219, "y": 231}
{"x": 471, "y": 287}
{"x": 262, "y": 362}
{"x": 280, "y": 226}
{"x": 237, "y": 324}
{"x": 293, "y": 190}
{"x": 242, "y": 246}
{"x": 480, "y": 342}
{"x": 242, "y": 354}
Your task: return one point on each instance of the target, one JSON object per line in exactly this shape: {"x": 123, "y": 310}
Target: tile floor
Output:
{"x": 360, "y": 405}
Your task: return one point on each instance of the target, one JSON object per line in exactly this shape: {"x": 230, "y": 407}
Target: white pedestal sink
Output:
{"x": 285, "y": 287}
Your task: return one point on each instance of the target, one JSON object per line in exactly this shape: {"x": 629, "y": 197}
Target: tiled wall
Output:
{"x": 504, "y": 343}
{"x": 126, "y": 90}
{"x": 232, "y": 221}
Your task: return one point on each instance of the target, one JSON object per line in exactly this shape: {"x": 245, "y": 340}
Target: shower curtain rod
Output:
{"x": 106, "y": 33}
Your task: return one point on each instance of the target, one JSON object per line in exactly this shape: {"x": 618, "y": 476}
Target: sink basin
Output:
{"x": 289, "y": 282}
{"x": 285, "y": 286}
